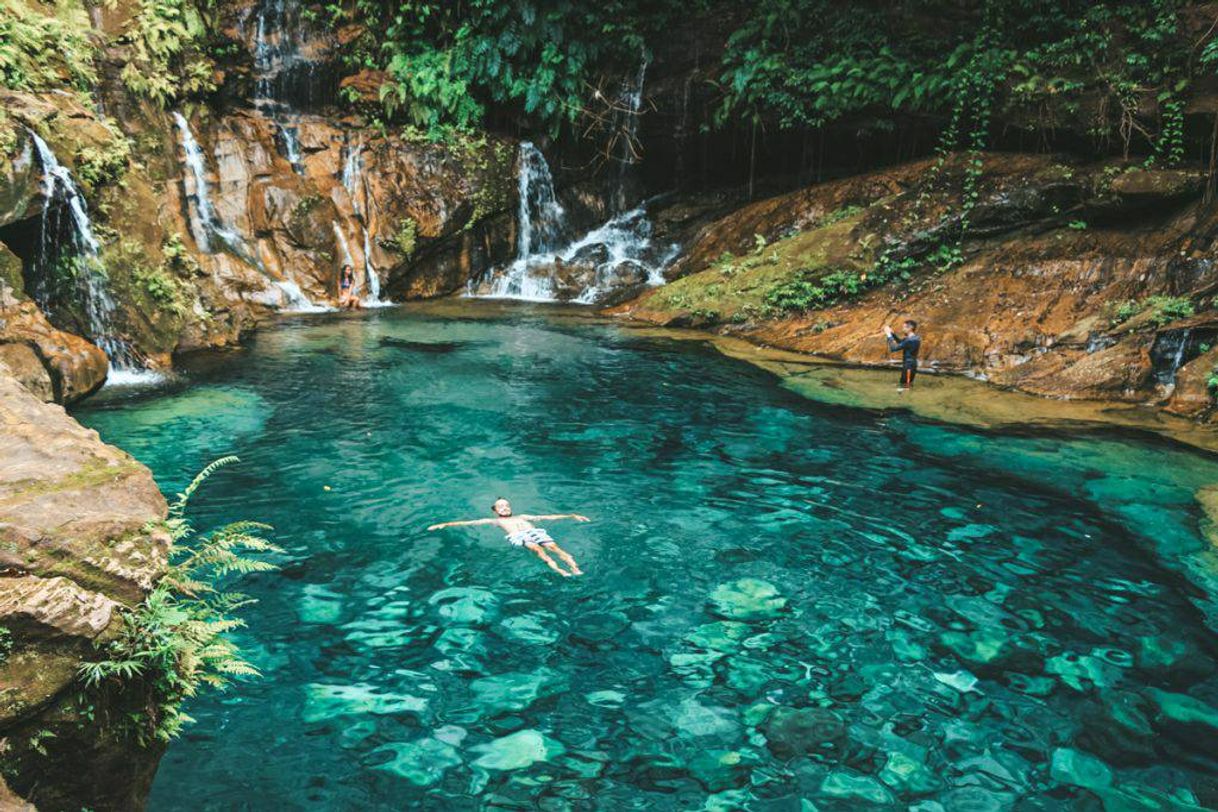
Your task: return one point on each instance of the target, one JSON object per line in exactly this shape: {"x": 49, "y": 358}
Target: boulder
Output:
{"x": 79, "y": 529}
{"x": 791, "y": 732}
{"x": 56, "y": 366}
{"x": 1189, "y": 721}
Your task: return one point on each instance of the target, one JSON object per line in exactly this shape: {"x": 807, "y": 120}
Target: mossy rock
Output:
{"x": 10, "y": 274}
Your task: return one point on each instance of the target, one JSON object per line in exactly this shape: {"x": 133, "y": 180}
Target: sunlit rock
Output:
{"x": 517, "y": 751}
{"x": 908, "y": 776}
{"x": 515, "y": 690}
{"x": 747, "y": 599}
{"x": 327, "y": 701}
{"x": 847, "y": 785}
{"x": 420, "y": 762}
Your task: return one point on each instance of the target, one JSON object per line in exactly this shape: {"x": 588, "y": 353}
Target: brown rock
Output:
{"x": 367, "y": 83}
{"x": 55, "y": 365}
{"x": 49, "y": 607}
{"x": 10, "y": 802}
{"x": 75, "y": 519}
{"x": 72, "y": 506}
{"x": 1031, "y": 307}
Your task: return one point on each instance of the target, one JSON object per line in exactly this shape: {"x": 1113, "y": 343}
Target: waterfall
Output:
{"x": 1170, "y": 351}
{"x": 374, "y": 283}
{"x": 286, "y": 79}
{"x": 341, "y": 239}
{"x": 289, "y": 137}
{"x": 541, "y": 215}
{"x": 631, "y": 102}
{"x": 539, "y": 223}
{"x": 204, "y": 224}
{"x": 60, "y": 192}
{"x": 353, "y": 181}
{"x": 548, "y": 267}
{"x": 353, "y": 168}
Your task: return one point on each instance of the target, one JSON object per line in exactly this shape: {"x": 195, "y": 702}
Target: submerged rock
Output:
{"x": 517, "y": 751}
{"x": 847, "y": 785}
{"x": 908, "y": 776}
{"x": 791, "y": 732}
{"x": 1117, "y": 727}
{"x": 1190, "y": 721}
{"x": 1079, "y": 769}
{"x": 421, "y": 762}
{"x": 514, "y": 691}
{"x": 467, "y": 606}
{"x": 747, "y": 599}
{"x": 327, "y": 701}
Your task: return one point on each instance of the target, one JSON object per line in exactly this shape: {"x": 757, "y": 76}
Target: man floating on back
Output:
{"x": 908, "y": 347}
{"x": 522, "y": 533}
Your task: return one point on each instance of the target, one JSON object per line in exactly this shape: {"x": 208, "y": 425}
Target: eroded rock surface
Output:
{"x": 1060, "y": 292}
{"x": 79, "y": 542}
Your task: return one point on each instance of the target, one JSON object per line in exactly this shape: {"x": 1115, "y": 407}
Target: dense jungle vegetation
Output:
{"x": 1123, "y": 71}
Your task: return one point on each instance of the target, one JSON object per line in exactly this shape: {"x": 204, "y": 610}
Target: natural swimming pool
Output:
{"x": 784, "y": 599}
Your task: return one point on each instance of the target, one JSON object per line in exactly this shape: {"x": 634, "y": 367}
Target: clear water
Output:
{"x": 783, "y": 599}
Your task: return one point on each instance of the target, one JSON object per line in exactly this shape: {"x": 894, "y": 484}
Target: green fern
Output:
{"x": 175, "y": 641}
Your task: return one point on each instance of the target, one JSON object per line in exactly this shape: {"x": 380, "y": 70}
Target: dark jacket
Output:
{"x": 909, "y": 347}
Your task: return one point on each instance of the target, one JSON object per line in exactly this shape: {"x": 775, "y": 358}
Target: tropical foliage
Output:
{"x": 40, "y": 50}
{"x": 166, "y": 62}
{"x": 176, "y": 641}
{"x": 449, "y": 63}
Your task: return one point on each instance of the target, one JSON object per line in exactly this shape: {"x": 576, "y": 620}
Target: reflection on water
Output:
{"x": 785, "y": 600}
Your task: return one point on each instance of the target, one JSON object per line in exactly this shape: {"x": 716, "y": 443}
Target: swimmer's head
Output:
{"x": 502, "y": 507}
{"x": 910, "y": 326}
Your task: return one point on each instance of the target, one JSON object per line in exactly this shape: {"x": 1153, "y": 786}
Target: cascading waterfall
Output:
{"x": 353, "y": 168}
{"x": 539, "y": 223}
{"x": 374, "y": 282}
{"x": 289, "y": 137}
{"x": 341, "y": 239}
{"x": 618, "y": 253}
{"x": 1170, "y": 351}
{"x": 353, "y": 181}
{"x": 631, "y": 101}
{"x": 206, "y": 225}
{"x": 60, "y": 192}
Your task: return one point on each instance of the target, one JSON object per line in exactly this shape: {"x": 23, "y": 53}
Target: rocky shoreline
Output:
{"x": 80, "y": 544}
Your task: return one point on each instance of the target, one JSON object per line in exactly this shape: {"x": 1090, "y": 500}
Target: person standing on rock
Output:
{"x": 908, "y": 347}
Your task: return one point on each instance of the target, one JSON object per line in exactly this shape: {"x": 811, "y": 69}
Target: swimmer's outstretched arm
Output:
{"x": 555, "y": 516}
{"x": 462, "y": 524}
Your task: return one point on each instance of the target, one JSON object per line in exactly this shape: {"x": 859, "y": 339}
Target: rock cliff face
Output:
{"x": 1076, "y": 281}
{"x": 78, "y": 544}
{"x": 208, "y": 223}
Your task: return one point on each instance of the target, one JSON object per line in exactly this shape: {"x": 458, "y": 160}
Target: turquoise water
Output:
{"x": 784, "y": 600}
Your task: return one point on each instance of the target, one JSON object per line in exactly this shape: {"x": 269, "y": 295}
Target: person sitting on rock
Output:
{"x": 908, "y": 347}
{"x": 346, "y": 288}
{"x": 522, "y": 533}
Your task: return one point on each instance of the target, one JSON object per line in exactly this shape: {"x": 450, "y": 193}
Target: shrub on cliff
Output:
{"x": 40, "y": 51}
{"x": 174, "y": 642}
